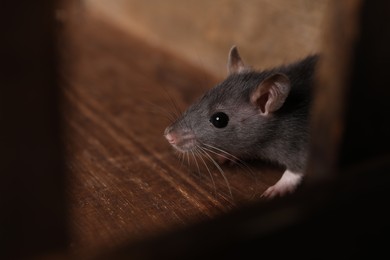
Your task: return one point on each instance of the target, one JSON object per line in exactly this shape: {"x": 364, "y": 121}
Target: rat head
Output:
{"x": 233, "y": 115}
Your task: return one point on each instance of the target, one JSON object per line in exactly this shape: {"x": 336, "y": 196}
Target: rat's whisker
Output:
{"x": 188, "y": 158}
{"x": 158, "y": 110}
{"x": 219, "y": 154}
{"x": 164, "y": 113}
{"x": 181, "y": 158}
{"x": 174, "y": 105}
{"x": 196, "y": 162}
{"x": 222, "y": 151}
{"x": 199, "y": 154}
{"x": 219, "y": 169}
{"x": 229, "y": 156}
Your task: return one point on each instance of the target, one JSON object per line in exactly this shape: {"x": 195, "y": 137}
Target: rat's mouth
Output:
{"x": 185, "y": 145}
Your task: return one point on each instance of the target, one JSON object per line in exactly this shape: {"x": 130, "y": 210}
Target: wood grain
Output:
{"x": 124, "y": 180}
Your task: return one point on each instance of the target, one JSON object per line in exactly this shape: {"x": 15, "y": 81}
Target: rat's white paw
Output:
{"x": 286, "y": 184}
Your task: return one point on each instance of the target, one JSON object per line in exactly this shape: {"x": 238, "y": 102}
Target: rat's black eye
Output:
{"x": 219, "y": 119}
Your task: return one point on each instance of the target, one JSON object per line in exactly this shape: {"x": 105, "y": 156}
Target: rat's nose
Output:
{"x": 169, "y": 135}
{"x": 171, "y": 138}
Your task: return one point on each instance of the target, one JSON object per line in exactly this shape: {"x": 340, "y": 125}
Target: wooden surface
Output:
{"x": 125, "y": 182}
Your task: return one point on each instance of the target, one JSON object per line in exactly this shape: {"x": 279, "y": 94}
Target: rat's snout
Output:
{"x": 182, "y": 140}
{"x": 171, "y": 138}
{"x": 167, "y": 130}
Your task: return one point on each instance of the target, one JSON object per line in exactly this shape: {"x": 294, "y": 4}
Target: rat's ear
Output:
{"x": 235, "y": 63}
{"x": 271, "y": 93}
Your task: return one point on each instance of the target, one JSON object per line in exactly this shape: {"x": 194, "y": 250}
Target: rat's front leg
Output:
{"x": 287, "y": 184}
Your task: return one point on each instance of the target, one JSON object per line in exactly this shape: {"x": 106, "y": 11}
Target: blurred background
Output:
{"x": 267, "y": 32}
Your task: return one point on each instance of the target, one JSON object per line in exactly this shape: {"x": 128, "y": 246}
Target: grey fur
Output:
{"x": 281, "y": 137}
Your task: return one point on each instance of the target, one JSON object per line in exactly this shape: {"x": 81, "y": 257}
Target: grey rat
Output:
{"x": 253, "y": 115}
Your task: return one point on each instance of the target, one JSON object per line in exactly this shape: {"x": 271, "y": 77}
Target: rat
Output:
{"x": 260, "y": 115}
